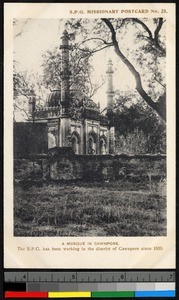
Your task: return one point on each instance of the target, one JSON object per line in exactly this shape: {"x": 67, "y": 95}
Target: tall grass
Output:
{"x": 90, "y": 209}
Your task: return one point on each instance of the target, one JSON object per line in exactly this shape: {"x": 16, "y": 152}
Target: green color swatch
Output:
{"x": 113, "y": 294}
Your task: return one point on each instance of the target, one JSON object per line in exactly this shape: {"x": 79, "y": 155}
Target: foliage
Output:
{"x": 132, "y": 143}
{"x": 24, "y": 85}
{"x": 139, "y": 43}
{"x": 81, "y": 86}
{"x": 138, "y": 127}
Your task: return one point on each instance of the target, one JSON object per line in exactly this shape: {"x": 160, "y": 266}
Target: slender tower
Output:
{"x": 110, "y": 96}
{"x": 110, "y": 91}
{"x": 65, "y": 73}
{"x": 65, "y": 121}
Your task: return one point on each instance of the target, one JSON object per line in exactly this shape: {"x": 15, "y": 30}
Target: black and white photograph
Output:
{"x": 89, "y": 127}
{"x": 89, "y": 135}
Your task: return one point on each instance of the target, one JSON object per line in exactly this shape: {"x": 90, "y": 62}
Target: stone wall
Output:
{"x": 89, "y": 167}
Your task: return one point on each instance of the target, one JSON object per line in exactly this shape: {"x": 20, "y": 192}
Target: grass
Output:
{"x": 116, "y": 208}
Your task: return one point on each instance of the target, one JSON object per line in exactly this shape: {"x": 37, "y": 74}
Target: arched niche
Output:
{"x": 92, "y": 142}
{"x": 75, "y": 142}
{"x": 103, "y": 144}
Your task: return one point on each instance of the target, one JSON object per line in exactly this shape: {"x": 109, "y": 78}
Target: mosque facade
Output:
{"x": 94, "y": 132}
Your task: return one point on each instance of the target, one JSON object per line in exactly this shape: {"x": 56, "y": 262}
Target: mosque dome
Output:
{"x": 53, "y": 99}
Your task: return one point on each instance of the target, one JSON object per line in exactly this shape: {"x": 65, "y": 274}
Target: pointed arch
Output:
{"x": 92, "y": 142}
{"x": 103, "y": 144}
{"x": 75, "y": 142}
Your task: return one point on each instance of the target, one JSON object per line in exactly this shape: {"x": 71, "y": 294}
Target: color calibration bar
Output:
{"x": 89, "y": 284}
{"x": 129, "y": 294}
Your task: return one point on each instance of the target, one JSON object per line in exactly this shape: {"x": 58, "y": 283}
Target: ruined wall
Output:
{"x": 90, "y": 168}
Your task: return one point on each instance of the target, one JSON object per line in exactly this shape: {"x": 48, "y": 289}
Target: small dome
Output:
{"x": 53, "y": 99}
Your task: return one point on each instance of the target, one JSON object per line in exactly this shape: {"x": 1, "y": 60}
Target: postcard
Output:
{"x": 89, "y": 135}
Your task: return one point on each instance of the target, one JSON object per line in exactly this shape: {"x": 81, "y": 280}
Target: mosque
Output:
{"x": 94, "y": 133}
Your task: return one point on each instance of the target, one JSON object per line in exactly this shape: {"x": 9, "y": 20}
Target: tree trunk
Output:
{"x": 159, "y": 108}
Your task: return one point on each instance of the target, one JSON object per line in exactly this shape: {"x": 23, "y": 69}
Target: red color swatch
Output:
{"x": 26, "y": 295}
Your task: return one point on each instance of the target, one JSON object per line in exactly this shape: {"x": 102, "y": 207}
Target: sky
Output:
{"x": 40, "y": 35}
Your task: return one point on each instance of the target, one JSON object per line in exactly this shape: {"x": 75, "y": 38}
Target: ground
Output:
{"x": 111, "y": 208}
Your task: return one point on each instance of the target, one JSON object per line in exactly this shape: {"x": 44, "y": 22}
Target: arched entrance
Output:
{"x": 92, "y": 143}
{"x": 75, "y": 142}
{"x": 103, "y": 145}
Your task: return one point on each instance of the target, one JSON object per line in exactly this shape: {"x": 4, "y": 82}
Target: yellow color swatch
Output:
{"x": 69, "y": 295}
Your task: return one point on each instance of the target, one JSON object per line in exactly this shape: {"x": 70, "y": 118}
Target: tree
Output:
{"x": 82, "y": 88}
{"x": 24, "y": 84}
{"x": 146, "y": 56}
{"x": 138, "y": 129}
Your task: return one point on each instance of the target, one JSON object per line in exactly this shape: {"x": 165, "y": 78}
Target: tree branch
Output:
{"x": 95, "y": 88}
{"x": 21, "y": 109}
{"x": 134, "y": 72}
{"x": 122, "y": 23}
{"x": 156, "y": 34}
{"x": 90, "y": 39}
{"x": 144, "y": 26}
{"x": 157, "y": 30}
{"x": 22, "y": 29}
{"x": 153, "y": 40}
{"x": 163, "y": 85}
{"x": 95, "y": 49}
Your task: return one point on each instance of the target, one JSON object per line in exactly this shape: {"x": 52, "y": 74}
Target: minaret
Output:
{"x": 110, "y": 114}
{"x": 110, "y": 91}
{"x": 65, "y": 73}
{"x": 65, "y": 121}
